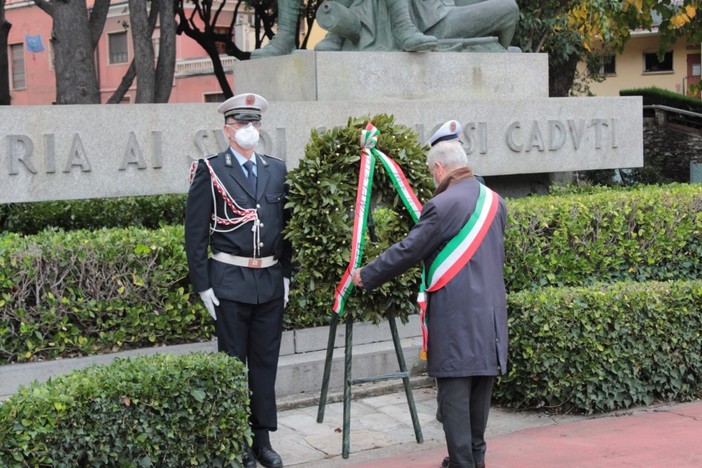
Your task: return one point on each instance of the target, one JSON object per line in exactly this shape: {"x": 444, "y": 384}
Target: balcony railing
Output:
{"x": 202, "y": 66}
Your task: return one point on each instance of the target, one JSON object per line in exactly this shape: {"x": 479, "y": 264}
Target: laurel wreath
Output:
{"x": 320, "y": 201}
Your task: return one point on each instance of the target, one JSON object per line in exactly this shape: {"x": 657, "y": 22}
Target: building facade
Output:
{"x": 640, "y": 66}
{"x": 32, "y": 80}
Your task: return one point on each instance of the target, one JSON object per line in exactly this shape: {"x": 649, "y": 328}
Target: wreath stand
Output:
{"x": 348, "y": 381}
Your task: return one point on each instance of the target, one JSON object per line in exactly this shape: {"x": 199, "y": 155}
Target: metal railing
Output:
{"x": 203, "y": 66}
{"x": 667, "y": 114}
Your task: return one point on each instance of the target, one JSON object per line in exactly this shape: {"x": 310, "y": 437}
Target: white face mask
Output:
{"x": 247, "y": 137}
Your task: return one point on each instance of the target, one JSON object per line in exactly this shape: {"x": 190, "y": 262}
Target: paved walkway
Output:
{"x": 382, "y": 436}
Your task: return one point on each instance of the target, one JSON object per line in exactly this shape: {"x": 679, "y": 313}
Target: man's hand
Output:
{"x": 356, "y": 278}
{"x": 210, "y": 300}
{"x": 286, "y": 291}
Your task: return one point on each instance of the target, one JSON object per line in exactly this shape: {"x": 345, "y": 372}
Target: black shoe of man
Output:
{"x": 249, "y": 460}
{"x": 268, "y": 457}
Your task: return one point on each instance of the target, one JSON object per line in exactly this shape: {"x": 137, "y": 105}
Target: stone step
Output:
{"x": 300, "y": 368}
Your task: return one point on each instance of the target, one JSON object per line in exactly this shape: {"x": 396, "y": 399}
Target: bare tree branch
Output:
{"x": 47, "y": 7}
{"x": 98, "y": 16}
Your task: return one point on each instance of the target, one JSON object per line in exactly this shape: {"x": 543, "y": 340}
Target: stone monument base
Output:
{"x": 396, "y": 76}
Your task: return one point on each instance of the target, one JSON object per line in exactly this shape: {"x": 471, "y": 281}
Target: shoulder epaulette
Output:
{"x": 211, "y": 156}
{"x": 272, "y": 157}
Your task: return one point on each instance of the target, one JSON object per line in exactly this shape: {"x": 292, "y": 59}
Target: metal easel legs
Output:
{"x": 348, "y": 381}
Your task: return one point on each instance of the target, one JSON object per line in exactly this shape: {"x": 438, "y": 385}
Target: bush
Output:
{"x": 147, "y": 211}
{"x": 77, "y": 293}
{"x": 161, "y": 410}
{"x": 605, "y": 347}
{"x": 642, "y": 234}
{"x": 659, "y": 96}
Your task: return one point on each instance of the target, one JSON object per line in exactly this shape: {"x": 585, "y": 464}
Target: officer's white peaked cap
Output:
{"x": 451, "y": 130}
{"x": 247, "y": 107}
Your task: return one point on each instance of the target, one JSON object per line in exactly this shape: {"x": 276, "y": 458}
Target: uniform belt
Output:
{"x": 263, "y": 262}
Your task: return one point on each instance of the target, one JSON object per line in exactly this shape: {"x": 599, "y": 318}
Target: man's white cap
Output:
{"x": 451, "y": 130}
{"x": 247, "y": 107}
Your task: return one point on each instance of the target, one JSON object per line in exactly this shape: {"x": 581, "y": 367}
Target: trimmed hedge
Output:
{"x": 605, "y": 347}
{"x": 77, "y": 293}
{"x": 147, "y": 211}
{"x": 161, "y": 410}
{"x": 642, "y": 234}
{"x": 654, "y": 95}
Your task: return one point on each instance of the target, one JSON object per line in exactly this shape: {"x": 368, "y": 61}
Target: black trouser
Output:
{"x": 252, "y": 333}
{"x": 463, "y": 408}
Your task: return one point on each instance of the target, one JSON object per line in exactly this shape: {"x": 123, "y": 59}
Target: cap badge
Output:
{"x": 250, "y": 99}
{"x": 453, "y": 127}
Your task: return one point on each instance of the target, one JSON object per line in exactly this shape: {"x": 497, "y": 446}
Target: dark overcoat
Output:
{"x": 467, "y": 318}
{"x": 231, "y": 282}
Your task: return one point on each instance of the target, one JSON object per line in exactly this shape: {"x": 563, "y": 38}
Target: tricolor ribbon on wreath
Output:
{"x": 450, "y": 260}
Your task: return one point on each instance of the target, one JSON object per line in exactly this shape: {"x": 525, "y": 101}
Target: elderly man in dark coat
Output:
{"x": 466, "y": 305}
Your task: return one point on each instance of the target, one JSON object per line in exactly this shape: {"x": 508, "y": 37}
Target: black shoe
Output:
{"x": 446, "y": 462}
{"x": 268, "y": 457}
{"x": 249, "y": 460}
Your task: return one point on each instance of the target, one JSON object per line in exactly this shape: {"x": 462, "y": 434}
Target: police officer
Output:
{"x": 235, "y": 209}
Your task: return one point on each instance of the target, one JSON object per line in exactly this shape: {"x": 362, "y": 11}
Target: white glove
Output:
{"x": 210, "y": 300}
{"x": 286, "y": 291}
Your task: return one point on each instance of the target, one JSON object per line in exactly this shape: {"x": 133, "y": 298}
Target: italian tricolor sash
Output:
{"x": 458, "y": 252}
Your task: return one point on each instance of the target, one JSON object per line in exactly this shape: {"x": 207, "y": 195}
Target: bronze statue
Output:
{"x": 415, "y": 25}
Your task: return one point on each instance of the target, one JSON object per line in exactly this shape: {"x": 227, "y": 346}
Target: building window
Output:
{"x": 117, "y": 44}
{"x": 17, "y": 64}
{"x": 653, "y": 64}
{"x": 214, "y": 97}
{"x": 608, "y": 65}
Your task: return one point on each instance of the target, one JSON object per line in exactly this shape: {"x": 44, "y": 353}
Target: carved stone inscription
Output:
{"x": 144, "y": 150}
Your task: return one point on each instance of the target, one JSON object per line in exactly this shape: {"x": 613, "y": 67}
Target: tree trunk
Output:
{"x": 124, "y": 85}
{"x": 5, "y": 98}
{"x": 561, "y": 76}
{"x": 143, "y": 51}
{"x": 165, "y": 70}
{"x": 219, "y": 72}
{"x": 74, "y": 61}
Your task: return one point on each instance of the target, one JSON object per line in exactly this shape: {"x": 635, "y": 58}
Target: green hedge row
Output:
{"x": 147, "y": 211}
{"x": 161, "y": 410}
{"x": 605, "y": 347}
{"x": 78, "y": 293}
{"x": 73, "y": 293}
{"x": 653, "y": 95}
{"x": 643, "y": 234}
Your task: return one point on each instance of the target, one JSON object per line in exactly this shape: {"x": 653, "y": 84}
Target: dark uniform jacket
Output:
{"x": 467, "y": 318}
{"x": 228, "y": 281}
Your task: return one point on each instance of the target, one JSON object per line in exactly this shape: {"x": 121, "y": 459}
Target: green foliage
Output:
{"x": 568, "y": 30}
{"x": 605, "y": 347}
{"x": 641, "y": 234}
{"x": 70, "y": 293}
{"x": 148, "y": 212}
{"x": 76, "y": 293}
{"x": 322, "y": 196}
{"x": 160, "y": 410}
{"x": 663, "y": 97}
